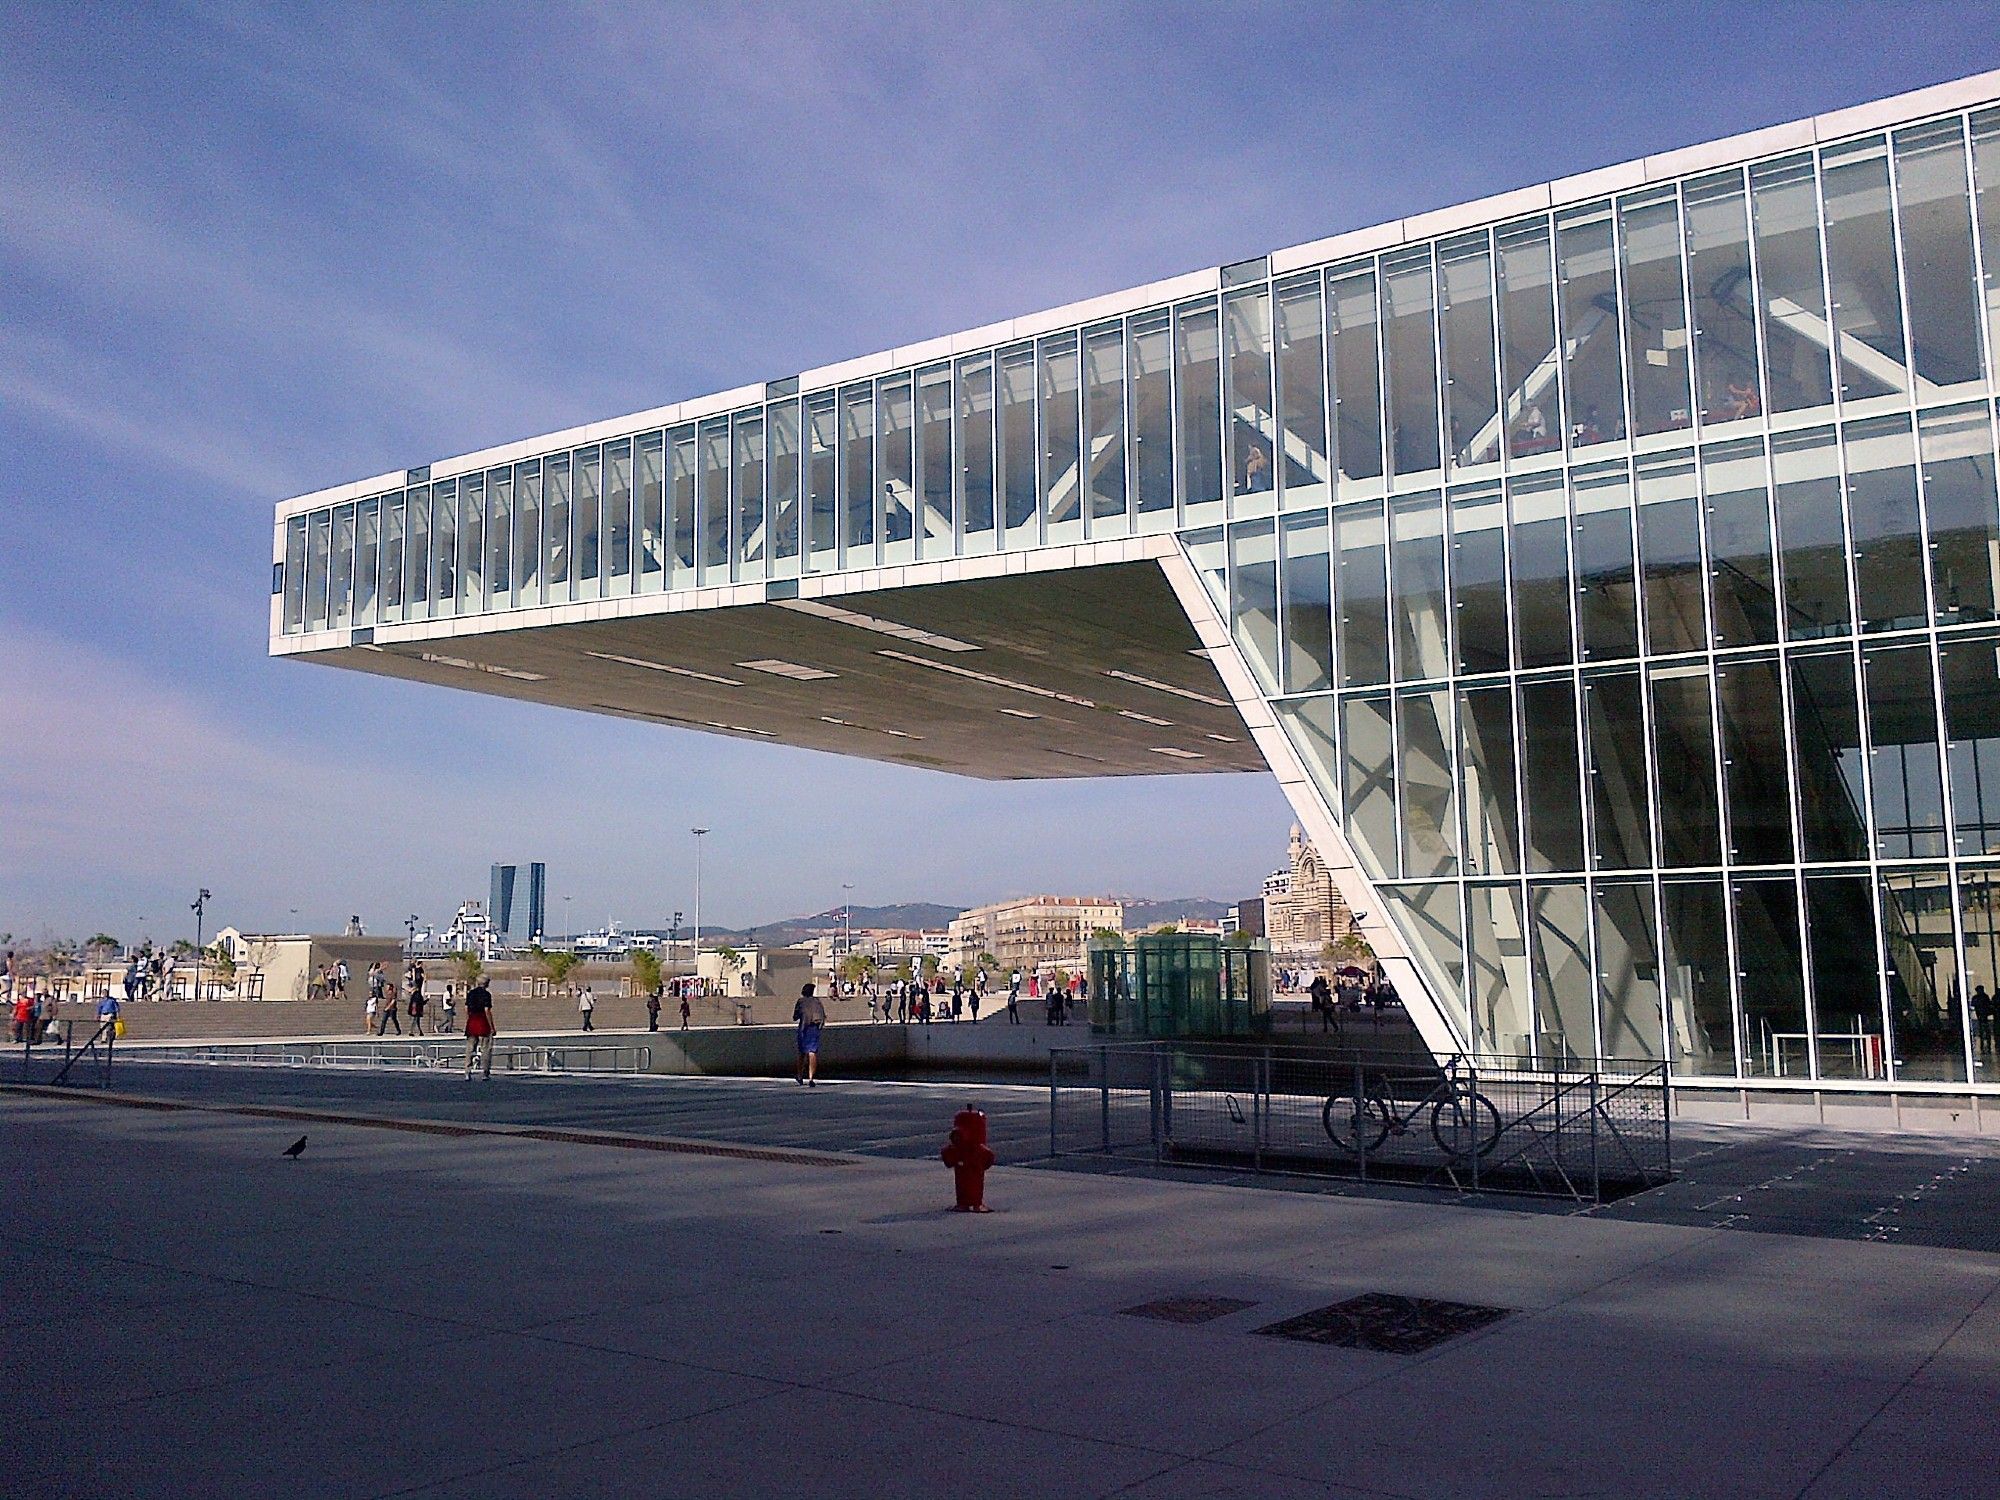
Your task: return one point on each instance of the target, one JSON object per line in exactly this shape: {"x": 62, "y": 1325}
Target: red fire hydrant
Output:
{"x": 968, "y": 1156}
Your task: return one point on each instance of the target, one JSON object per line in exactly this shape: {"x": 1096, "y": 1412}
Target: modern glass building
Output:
{"x": 517, "y": 904}
{"x": 1607, "y": 569}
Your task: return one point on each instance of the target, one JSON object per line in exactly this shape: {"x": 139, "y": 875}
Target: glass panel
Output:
{"x": 1368, "y": 782}
{"x": 444, "y": 546}
{"x": 1552, "y": 776}
{"x": 1607, "y": 606}
{"x": 1621, "y": 812}
{"x": 1528, "y": 341}
{"x": 1209, "y": 552}
{"x": 650, "y": 521}
{"x": 898, "y": 457}
{"x": 1970, "y": 671}
{"x": 1882, "y": 518}
{"x": 367, "y": 542}
{"x": 1785, "y": 211}
{"x": 416, "y": 562}
{"x": 500, "y": 530}
{"x": 1253, "y": 424}
{"x": 1903, "y": 772}
{"x": 786, "y": 439}
{"x": 1307, "y": 468}
{"x": 1847, "y": 984}
{"x": 1411, "y": 338}
{"x": 1656, "y": 326}
{"x": 1361, "y": 593}
{"x": 319, "y": 550}
{"x": 1539, "y": 540}
{"x": 1253, "y": 598}
{"x": 1421, "y": 608}
{"x": 295, "y": 575}
{"x": 750, "y": 495}
{"x": 340, "y": 596}
{"x": 1979, "y": 926}
{"x": 1472, "y": 388}
{"x": 1486, "y": 759}
{"x": 1826, "y": 748}
{"x": 1684, "y": 739}
{"x": 1670, "y": 555}
{"x": 617, "y": 516}
{"x": 585, "y": 521}
{"x": 1430, "y": 807}
{"x": 528, "y": 526}
{"x": 1725, "y": 324}
{"x": 1936, "y": 216}
{"x": 393, "y": 562}
{"x": 857, "y": 461}
{"x": 1017, "y": 447}
{"x": 1496, "y": 952}
{"x": 934, "y": 396}
{"x": 1920, "y": 962}
{"x": 1198, "y": 357}
{"x": 822, "y": 484}
{"x": 1562, "y": 972}
{"x": 1062, "y": 428}
{"x": 1153, "y": 415}
{"x": 1308, "y": 586}
{"x": 712, "y": 523}
{"x": 1771, "y": 978}
{"x": 1861, "y": 268}
{"x": 1740, "y": 571}
{"x": 1104, "y": 396}
{"x": 1753, "y": 760}
{"x": 1812, "y": 547}
{"x": 975, "y": 437}
{"x": 1957, "y": 450}
{"x": 1986, "y": 190}
{"x": 1592, "y": 368}
{"x": 1429, "y": 918}
{"x": 1309, "y": 722}
{"x": 682, "y": 493}
{"x": 1701, "y": 1027}
{"x": 1479, "y": 579}
{"x": 1357, "y": 377}
{"x": 1628, "y": 972}
{"x": 471, "y": 543}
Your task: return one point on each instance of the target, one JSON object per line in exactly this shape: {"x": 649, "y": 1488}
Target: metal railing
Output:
{"x": 441, "y": 1055}
{"x": 1588, "y": 1130}
{"x": 42, "y": 1056}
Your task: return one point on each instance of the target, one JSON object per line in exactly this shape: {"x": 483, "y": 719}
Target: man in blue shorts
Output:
{"x": 811, "y": 1016}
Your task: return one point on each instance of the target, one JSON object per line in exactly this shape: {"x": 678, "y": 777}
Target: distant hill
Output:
{"x": 915, "y": 915}
{"x": 1141, "y": 915}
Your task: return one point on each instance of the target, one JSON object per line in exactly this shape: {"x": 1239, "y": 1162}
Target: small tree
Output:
{"x": 1350, "y": 949}
{"x": 181, "y": 948}
{"x": 222, "y": 962}
{"x": 470, "y": 966}
{"x": 555, "y": 965}
{"x": 1240, "y": 939}
{"x": 1106, "y": 937}
{"x": 645, "y": 971}
{"x": 929, "y": 968}
{"x": 1167, "y": 929}
{"x": 903, "y": 972}
{"x": 101, "y": 946}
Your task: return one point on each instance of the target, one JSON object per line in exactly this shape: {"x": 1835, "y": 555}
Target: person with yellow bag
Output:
{"x": 109, "y": 1014}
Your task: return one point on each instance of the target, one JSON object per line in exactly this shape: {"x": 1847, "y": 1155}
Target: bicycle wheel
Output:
{"x": 1355, "y": 1125}
{"x": 1465, "y": 1125}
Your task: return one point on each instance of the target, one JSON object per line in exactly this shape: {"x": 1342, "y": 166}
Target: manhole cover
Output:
{"x": 1386, "y": 1324}
{"x": 1188, "y": 1309}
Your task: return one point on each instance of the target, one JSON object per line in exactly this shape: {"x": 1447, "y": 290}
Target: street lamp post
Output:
{"x": 697, "y": 832}
{"x": 846, "y": 919}
{"x": 200, "y": 909}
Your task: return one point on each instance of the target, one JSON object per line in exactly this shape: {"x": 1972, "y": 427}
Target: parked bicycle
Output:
{"x": 1463, "y": 1121}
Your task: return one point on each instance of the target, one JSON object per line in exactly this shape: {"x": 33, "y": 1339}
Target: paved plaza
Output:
{"x": 463, "y": 1310}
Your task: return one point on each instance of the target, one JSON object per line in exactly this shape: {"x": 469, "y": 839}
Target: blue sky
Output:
{"x": 247, "y": 252}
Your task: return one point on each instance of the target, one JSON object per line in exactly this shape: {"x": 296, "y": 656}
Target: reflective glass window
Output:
{"x": 1497, "y": 983}
{"x": 1828, "y": 757}
{"x": 1104, "y": 423}
{"x": 1752, "y": 700}
{"x": 393, "y": 563}
{"x": 1741, "y": 574}
{"x": 684, "y": 497}
{"x": 1430, "y": 801}
{"x": 444, "y": 546}
{"x": 1956, "y": 446}
{"x": 857, "y": 478}
{"x": 1357, "y": 377}
{"x": 1530, "y": 382}
{"x": 416, "y": 559}
{"x": 1785, "y": 212}
{"x": 1253, "y": 598}
{"x": 1062, "y": 431}
{"x": 822, "y": 483}
{"x": 1920, "y": 965}
{"x": 1253, "y": 422}
{"x": 1670, "y": 554}
{"x": 1538, "y": 538}
{"x": 1198, "y": 368}
{"x": 1628, "y": 971}
{"x": 1472, "y": 390}
{"x": 1903, "y": 772}
{"x": 1308, "y": 584}
{"x": 898, "y": 456}
{"x": 1986, "y": 194}
{"x": 975, "y": 453}
{"x": 1970, "y": 672}
{"x": 1309, "y": 723}
{"x": 1552, "y": 777}
{"x": 1479, "y": 579}
{"x": 1684, "y": 743}
{"x": 555, "y": 528}
{"x": 1620, "y": 810}
{"x": 340, "y": 590}
{"x": 1725, "y": 313}
{"x": 649, "y": 521}
{"x": 1607, "y": 605}
{"x": 1656, "y": 322}
{"x": 585, "y": 519}
{"x": 471, "y": 543}
{"x": 1368, "y": 783}
{"x": 1429, "y": 917}
{"x": 1421, "y": 645}
{"x": 1935, "y": 214}
{"x": 1410, "y": 338}
{"x": 1151, "y": 372}
{"x": 500, "y": 526}
{"x": 295, "y": 574}
{"x": 750, "y": 537}
{"x": 528, "y": 525}
{"x": 1487, "y": 765}
{"x": 934, "y": 398}
{"x": 1694, "y": 940}
{"x": 1812, "y": 544}
{"x": 1593, "y": 370}
{"x": 1563, "y": 1006}
{"x": 1018, "y": 454}
{"x": 1361, "y": 593}
{"x": 1846, "y": 982}
{"x": 618, "y": 517}
{"x": 319, "y": 553}
{"x": 1771, "y": 978}
{"x": 1305, "y": 466}
{"x": 1882, "y": 519}
{"x": 1861, "y": 269}
{"x": 1979, "y": 925}
{"x": 367, "y": 551}
{"x": 785, "y": 439}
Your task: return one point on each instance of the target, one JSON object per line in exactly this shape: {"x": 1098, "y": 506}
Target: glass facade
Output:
{"x": 1625, "y": 575}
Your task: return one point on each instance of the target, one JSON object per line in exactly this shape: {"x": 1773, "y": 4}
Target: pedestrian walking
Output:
{"x": 374, "y": 1006}
{"x": 810, "y": 1016}
{"x": 388, "y": 1004}
{"x": 479, "y": 1028}
{"x": 687, "y": 1010}
{"x": 586, "y": 1006}
{"x": 973, "y": 1001}
{"x": 1322, "y": 1001}
{"x": 340, "y": 977}
{"x": 653, "y": 1010}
